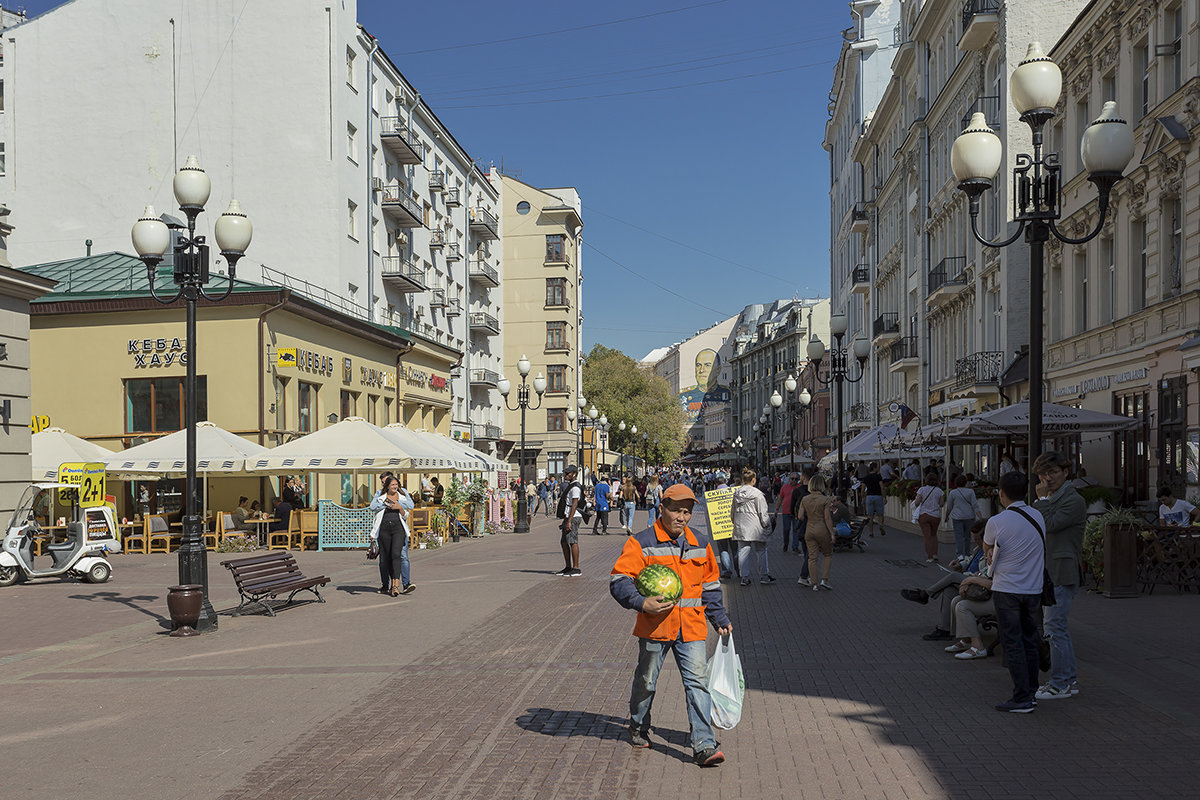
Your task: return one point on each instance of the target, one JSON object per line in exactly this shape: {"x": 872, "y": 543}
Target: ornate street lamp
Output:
{"x": 151, "y": 238}
{"x": 837, "y": 374}
{"x": 1106, "y": 147}
{"x": 803, "y": 399}
{"x": 521, "y": 525}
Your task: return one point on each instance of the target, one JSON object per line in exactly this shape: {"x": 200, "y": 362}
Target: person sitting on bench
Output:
{"x": 973, "y": 566}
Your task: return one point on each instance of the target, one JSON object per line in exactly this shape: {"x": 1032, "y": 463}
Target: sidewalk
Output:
{"x": 498, "y": 680}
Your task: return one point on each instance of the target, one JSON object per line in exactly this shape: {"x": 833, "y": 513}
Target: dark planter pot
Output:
{"x": 183, "y": 604}
{"x": 1120, "y": 561}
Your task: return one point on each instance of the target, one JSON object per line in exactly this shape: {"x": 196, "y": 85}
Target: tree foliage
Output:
{"x": 614, "y": 384}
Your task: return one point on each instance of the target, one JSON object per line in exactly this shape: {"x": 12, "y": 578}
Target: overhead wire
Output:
{"x": 572, "y": 29}
{"x": 653, "y": 282}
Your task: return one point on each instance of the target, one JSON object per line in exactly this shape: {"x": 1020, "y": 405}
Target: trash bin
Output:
{"x": 1120, "y": 561}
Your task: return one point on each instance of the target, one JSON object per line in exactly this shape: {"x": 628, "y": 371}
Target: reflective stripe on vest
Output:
{"x": 661, "y": 550}
{"x": 695, "y": 552}
{"x": 709, "y": 586}
{"x": 689, "y": 602}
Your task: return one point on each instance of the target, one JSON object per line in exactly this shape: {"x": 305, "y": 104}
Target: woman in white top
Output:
{"x": 929, "y": 501}
{"x": 964, "y": 510}
{"x": 751, "y": 527}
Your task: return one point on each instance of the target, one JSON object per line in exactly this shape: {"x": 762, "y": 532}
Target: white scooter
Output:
{"x": 91, "y": 533}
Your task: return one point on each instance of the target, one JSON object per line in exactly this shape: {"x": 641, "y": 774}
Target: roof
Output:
{"x": 654, "y": 355}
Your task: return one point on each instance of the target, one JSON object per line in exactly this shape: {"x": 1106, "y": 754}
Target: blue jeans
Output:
{"x": 1062, "y": 652}
{"x": 630, "y": 508}
{"x": 693, "y": 666}
{"x": 1016, "y": 615}
{"x": 652, "y": 511}
{"x": 962, "y": 536}
{"x": 743, "y": 555}
{"x": 786, "y": 523}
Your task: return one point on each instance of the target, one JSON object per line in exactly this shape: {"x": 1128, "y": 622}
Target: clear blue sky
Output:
{"x": 733, "y": 168}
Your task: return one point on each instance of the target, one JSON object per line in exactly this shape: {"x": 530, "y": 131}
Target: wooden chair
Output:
{"x": 212, "y": 539}
{"x": 309, "y": 533}
{"x": 286, "y": 539}
{"x": 135, "y": 540}
{"x": 419, "y": 521}
{"x": 159, "y": 536}
{"x": 231, "y": 531}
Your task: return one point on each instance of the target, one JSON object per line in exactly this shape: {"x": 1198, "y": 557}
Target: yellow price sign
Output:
{"x": 89, "y": 477}
{"x": 719, "y": 505}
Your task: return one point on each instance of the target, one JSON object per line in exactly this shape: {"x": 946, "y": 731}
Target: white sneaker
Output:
{"x": 972, "y": 652}
{"x": 825, "y": 585}
{"x": 816, "y": 588}
{"x": 804, "y": 581}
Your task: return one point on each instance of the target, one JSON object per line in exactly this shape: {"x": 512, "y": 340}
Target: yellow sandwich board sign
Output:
{"x": 89, "y": 477}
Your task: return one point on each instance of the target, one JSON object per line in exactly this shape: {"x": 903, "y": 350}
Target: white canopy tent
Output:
{"x": 55, "y": 446}
{"x": 1013, "y": 421}
{"x": 883, "y": 441}
{"x": 348, "y": 446}
{"x": 218, "y": 452}
{"x": 430, "y": 451}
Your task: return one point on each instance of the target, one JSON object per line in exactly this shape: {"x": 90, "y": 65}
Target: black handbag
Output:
{"x": 373, "y": 550}
{"x": 1047, "y": 583}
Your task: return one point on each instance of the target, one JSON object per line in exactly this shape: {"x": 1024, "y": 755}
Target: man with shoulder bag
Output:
{"x": 572, "y": 507}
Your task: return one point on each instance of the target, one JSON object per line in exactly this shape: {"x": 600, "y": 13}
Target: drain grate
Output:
{"x": 904, "y": 562}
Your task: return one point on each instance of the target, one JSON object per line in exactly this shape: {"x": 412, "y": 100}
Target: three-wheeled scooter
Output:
{"x": 91, "y": 533}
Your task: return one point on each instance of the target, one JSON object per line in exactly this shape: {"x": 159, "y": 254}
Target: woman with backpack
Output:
{"x": 653, "y": 498}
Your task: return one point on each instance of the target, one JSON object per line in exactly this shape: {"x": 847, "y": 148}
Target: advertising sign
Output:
{"x": 89, "y": 477}
{"x": 719, "y": 505}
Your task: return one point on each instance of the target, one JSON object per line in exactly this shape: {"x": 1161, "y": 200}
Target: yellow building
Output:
{"x": 542, "y": 314}
{"x": 108, "y": 364}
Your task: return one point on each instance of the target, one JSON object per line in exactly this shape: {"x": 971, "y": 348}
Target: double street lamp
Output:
{"x": 580, "y": 421}
{"x": 521, "y": 525}
{"x": 838, "y": 374}
{"x": 151, "y": 238}
{"x": 804, "y": 398}
{"x": 1106, "y": 148}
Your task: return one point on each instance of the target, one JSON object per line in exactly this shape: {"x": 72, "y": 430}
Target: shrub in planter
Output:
{"x": 1093, "y": 537}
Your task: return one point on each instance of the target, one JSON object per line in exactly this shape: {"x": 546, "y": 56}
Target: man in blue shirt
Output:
{"x": 603, "y": 490}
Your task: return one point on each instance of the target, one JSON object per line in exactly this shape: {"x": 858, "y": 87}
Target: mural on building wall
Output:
{"x": 707, "y": 394}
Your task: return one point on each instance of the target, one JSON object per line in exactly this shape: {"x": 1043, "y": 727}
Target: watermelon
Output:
{"x": 658, "y": 580}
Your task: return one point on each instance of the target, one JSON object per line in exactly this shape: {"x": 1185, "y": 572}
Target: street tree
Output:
{"x": 613, "y": 382}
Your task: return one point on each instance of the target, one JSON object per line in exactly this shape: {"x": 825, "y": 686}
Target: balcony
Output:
{"x": 437, "y": 240}
{"x": 860, "y": 218}
{"x": 861, "y": 279}
{"x": 947, "y": 280}
{"x": 979, "y": 21}
{"x": 886, "y": 327}
{"x": 402, "y": 274}
{"x": 488, "y": 432}
{"x": 557, "y": 256}
{"x": 452, "y": 253}
{"x": 484, "y": 377}
{"x": 978, "y": 369}
{"x": 404, "y": 144}
{"x": 860, "y": 415}
{"x": 483, "y": 273}
{"x": 990, "y": 106}
{"x": 904, "y": 354}
{"x": 453, "y": 307}
{"x": 484, "y": 323}
{"x": 451, "y": 198}
{"x": 437, "y": 181}
{"x": 484, "y": 224}
{"x": 399, "y": 205}
{"x": 437, "y": 298}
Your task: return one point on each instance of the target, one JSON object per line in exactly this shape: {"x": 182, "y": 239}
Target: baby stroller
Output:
{"x": 848, "y": 535}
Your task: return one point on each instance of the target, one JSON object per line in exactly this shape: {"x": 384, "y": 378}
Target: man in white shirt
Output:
{"x": 913, "y": 471}
{"x": 1015, "y": 544}
{"x": 886, "y": 473}
{"x": 572, "y": 519}
{"x": 1173, "y": 511}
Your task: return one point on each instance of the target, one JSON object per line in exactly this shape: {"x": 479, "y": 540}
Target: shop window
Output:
{"x": 1172, "y": 433}
{"x": 556, "y": 419}
{"x": 556, "y": 377}
{"x": 556, "y": 291}
{"x": 1131, "y": 464}
{"x": 349, "y": 404}
{"x": 556, "y": 336}
{"x": 556, "y": 462}
{"x": 155, "y": 405}
{"x": 307, "y": 405}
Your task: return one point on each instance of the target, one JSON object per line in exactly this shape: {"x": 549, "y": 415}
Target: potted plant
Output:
{"x": 1110, "y": 550}
{"x": 1098, "y": 498}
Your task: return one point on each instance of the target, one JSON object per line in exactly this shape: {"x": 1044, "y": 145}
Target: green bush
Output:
{"x": 1103, "y": 494}
{"x": 1093, "y": 536}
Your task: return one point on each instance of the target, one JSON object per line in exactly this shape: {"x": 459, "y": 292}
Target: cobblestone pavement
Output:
{"x": 499, "y": 680}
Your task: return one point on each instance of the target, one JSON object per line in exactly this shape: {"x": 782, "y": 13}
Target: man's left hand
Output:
{"x": 728, "y": 629}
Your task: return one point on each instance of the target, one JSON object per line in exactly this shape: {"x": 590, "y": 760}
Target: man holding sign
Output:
{"x": 719, "y": 505}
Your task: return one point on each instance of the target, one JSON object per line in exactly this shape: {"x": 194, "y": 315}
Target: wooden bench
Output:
{"x": 268, "y": 576}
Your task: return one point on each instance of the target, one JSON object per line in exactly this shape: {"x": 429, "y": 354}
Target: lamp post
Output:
{"x": 645, "y": 453}
{"x": 656, "y": 448}
{"x": 633, "y": 439}
{"x": 776, "y": 401}
{"x": 837, "y": 374}
{"x": 802, "y": 399}
{"x": 577, "y": 421}
{"x": 151, "y": 238}
{"x": 601, "y": 428}
{"x": 521, "y": 525}
{"x": 1106, "y": 147}
{"x": 621, "y": 428}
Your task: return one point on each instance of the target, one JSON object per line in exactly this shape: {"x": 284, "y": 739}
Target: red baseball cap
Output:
{"x": 679, "y": 492}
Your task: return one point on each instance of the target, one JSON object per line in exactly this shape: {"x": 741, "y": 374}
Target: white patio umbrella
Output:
{"x": 479, "y": 461}
{"x": 218, "y": 452}
{"x": 428, "y": 451}
{"x": 1013, "y": 421}
{"x": 55, "y": 446}
{"x": 351, "y": 445}
{"x": 883, "y": 441}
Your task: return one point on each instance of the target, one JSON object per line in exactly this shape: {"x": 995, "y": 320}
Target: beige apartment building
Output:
{"x": 1123, "y": 311}
{"x": 542, "y": 316}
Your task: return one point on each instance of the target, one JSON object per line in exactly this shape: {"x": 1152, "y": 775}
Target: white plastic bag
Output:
{"x": 726, "y": 684}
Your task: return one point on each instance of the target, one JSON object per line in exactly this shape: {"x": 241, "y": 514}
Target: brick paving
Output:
{"x": 498, "y": 680}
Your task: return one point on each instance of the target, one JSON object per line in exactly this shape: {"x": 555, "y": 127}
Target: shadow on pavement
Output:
{"x": 354, "y": 588}
{"x": 132, "y": 601}
{"x": 552, "y": 722}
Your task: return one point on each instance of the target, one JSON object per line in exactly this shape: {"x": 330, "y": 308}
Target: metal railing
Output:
{"x": 989, "y": 105}
{"x": 859, "y": 213}
{"x": 862, "y": 274}
{"x": 481, "y": 216}
{"x": 452, "y": 253}
{"x": 394, "y": 127}
{"x": 400, "y": 266}
{"x": 860, "y": 412}
{"x": 887, "y": 322}
{"x": 437, "y": 238}
{"x": 948, "y": 272}
{"x": 451, "y": 197}
{"x": 437, "y": 298}
{"x": 318, "y": 294}
{"x": 481, "y": 269}
{"x": 480, "y": 319}
{"x": 905, "y": 347}
{"x": 973, "y": 7}
{"x": 437, "y": 180}
{"x": 453, "y": 307}
{"x": 397, "y": 194}
{"x": 984, "y": 367}
{"x": 488, "y": 432}
{"x": 485, "y": 376}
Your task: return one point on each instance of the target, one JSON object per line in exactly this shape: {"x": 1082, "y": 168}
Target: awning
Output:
{"x": 55, "y": 446}
{"x": 218, "y": 452}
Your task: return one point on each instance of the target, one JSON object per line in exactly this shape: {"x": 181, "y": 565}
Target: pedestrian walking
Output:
{"x": 783, "y": 509}
{"x": 543, "y": 497}
{"x": 1013, "y": 541}
{"x": 873, "y": 481}
{"x": 653, "y": 498}
{"x": 390, "y": 527}
{"x": 818, "y": 533}
{"x": 929, "y": 502}
{"x": 963, "y": 508}
{"x": 629, "y": 502}
{"x": 664, "y": 625}
{"x": 1064, "y": 514}
{"x": 751, "y": 528}
{"x": 602, "y": 492}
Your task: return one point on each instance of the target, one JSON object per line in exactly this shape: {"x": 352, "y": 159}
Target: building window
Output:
{"x": 556, "y": 291}
{"x": 1137, "y": 260}
{"x": 350, "y": 58}
{"x": 1141, "y": 62}
{"x": 556, "y": 335}
{"x": 1108, "y": 278}
{"x": 352, "y": 218}
{"x": 1173, "y": 72}
{"x": 556, "y": 462}
{"x": 155, "y": 405}
{"x": 351, "y": 142}
{"x": 371, "y": 401}
{"x": 1081, "y": 292}
{"x": 1108, "y": 87}
{"x": 1172, "y": 433}
{"x": 556, "y": 419}
{"x": 556, "y": 247}
{"x": 523, "y": 207}
{"x": 1131, "y": 464}
{"x": 349, "y": 404}
{"x": 2, "y": 165}
{"x": 556, "y": 377}
{"x": 1173, "y": 265}
{"x": 307, "y": 405}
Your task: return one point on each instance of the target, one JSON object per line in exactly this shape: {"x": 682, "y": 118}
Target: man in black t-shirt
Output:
{"x": 875, "y": 503}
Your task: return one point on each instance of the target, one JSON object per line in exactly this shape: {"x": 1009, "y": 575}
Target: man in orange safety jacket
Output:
{"x": 678, "y": 626}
